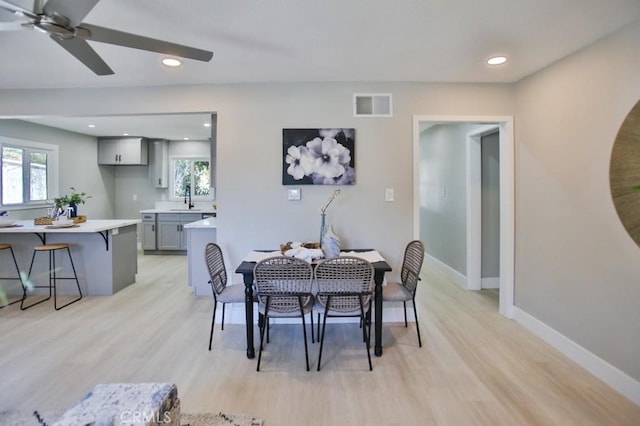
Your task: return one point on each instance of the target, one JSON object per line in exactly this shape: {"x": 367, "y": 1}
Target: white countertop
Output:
{"x": 90, "y": 226}
{"x": 197, "y": 211}
{"x": 209, "y": 223}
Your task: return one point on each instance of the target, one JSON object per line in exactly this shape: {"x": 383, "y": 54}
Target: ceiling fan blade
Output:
{"x": 75, "y": 10}
{"x": 107, "y": 35}
{"x": 85, "y": 54}
{"x": 17, "y": 10}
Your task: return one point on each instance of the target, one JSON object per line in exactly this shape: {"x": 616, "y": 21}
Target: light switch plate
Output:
{"x": 294, "y": 194}
{"x": 388, "y": 194}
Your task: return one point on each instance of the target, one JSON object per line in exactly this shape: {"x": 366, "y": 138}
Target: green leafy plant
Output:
{"x": 74, "y": 198}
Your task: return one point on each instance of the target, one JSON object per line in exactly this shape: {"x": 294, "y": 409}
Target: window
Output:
{"x": 29, "y": 172}
{"x": 190, "y": 175}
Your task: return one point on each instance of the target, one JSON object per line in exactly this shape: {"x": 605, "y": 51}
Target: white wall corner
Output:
{"x": 612, "y": 376}
{"x": 448, "y": 271}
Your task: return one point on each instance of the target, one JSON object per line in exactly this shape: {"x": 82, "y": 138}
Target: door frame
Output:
{"x": 507, "y": 195}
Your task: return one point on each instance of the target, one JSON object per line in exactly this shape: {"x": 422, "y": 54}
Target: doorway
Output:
{"x": 483, "y": 125}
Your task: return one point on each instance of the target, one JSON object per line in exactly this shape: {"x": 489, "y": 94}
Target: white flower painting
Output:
{"x": 318, "y": 157}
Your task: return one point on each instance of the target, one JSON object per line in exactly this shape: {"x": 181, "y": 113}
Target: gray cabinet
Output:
{"x": 160, "y": 163}
{"x": 149, "y": 231}
{"x": 123, "y": 151}
{"x": 170, "y": 230}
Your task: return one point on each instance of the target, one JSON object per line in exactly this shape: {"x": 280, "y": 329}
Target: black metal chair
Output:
{"x": 405, "y": 290}
{"x": 222, "y": 292}
{"x": 345, "y": 289}
{"x": 283, "y": 288}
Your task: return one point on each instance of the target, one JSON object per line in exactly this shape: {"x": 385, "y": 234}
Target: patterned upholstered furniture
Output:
{"x": 126, "y": 404}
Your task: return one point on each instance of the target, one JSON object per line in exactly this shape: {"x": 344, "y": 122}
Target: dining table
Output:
{"x": 247, "y": 265}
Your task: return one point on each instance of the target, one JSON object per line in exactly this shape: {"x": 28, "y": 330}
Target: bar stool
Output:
{"x": 53, "y": 278}
{"x": 18, "y": 277}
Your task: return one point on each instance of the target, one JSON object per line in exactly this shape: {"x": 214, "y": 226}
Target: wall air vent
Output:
{"x": 372, "y": 105}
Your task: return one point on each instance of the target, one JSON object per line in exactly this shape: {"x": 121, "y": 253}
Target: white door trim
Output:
{"x": 507, "y": 194}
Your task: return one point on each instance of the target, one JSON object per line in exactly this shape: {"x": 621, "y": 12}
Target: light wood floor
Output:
{"x": 475, "y": 366}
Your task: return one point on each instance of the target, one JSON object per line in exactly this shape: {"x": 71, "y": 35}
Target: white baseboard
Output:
{"x": 447, "y": 270}
{"x": 612, "y": 376}
{"x": 490, "y": 282}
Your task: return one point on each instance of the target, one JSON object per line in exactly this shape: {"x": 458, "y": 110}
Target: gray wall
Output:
{"x": 490, "y": 159}
{"x": 253, "y": 210}
{"x": 136, "y": 180}
{"x": 78, "y": 167}
{"x": 576, "y": 267}
{"x": 443, "y": 218}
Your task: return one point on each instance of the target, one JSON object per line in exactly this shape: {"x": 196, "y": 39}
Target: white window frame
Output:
{"x": 53, "y": 175}
{"x": 172, "y": 173}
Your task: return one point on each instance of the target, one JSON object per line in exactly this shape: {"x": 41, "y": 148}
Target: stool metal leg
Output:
{"x": 53, "y": 279}
{"x": 19, "y": 278}
{"x": 75, "y": 277}
{"x": 22, "y": 306}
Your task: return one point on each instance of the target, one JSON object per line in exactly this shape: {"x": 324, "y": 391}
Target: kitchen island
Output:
{"x": 199, "y": 234}
{"x": 104, "y": 254}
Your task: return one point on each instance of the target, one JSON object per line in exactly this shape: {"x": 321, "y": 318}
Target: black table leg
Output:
{"x": 378, "y": 278}
{"x": 248, "y": 310}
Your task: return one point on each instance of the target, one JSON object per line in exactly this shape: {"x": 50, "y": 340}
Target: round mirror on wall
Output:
{"x": 624, "y": 173}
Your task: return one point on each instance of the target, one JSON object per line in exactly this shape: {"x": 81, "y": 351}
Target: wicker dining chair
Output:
{"x": 283, "y": 286}
{"x": 222, "y": 292}
{"x": 405, "y": 290}
{"x": 345, "y": 289}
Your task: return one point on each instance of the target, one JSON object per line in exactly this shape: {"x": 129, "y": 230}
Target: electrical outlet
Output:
{"x": 388, "y": 194}
{"x": 135, "y": 197}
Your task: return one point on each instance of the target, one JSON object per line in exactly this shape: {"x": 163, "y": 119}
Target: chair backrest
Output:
{"x": 347, "y": 279}
{"x": 279, "y": 276}
{"x": 412, "y": 264}
{"x": 215, "y": 264}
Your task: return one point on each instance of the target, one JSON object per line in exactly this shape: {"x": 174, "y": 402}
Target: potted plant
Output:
{"x": 71, "y": 200}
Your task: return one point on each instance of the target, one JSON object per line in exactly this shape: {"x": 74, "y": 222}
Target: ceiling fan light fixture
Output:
{"x": 497, "y": 60}
{"x": 171, "y": 62}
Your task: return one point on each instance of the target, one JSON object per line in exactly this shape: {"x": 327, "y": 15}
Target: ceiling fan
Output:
{"x": 62, "y": 21}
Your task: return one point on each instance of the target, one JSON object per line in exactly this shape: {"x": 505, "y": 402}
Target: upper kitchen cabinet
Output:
{"x": 123, "y": 151}
{"x": 160, "y": 163}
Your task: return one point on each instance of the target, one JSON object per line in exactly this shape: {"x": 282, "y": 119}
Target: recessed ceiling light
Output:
{"x": 497, "y": 60}
{"x": 92, "y": 125}
{"x": 171, "y": 62}
{"x": 186, "y": 139}
{"x": 125, "y": 134}
{"x": 207, "y": 124}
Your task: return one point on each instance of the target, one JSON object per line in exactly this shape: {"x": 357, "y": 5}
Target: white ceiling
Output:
{"x": 327, "y": 40}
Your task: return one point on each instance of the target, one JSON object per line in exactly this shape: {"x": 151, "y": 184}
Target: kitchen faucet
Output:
{"x": 188, "y": 190}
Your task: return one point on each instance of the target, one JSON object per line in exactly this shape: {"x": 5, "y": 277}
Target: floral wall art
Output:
{"x": 318, "y": 157}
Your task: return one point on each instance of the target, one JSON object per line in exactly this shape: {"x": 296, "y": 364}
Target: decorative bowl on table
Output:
{"x": 289, "y": 245}
{"x": 62, "y": 223}
{"x": 5, "y": 222}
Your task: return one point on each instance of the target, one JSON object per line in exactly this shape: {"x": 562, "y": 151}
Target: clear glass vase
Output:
{"x": 323, "y": 226}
